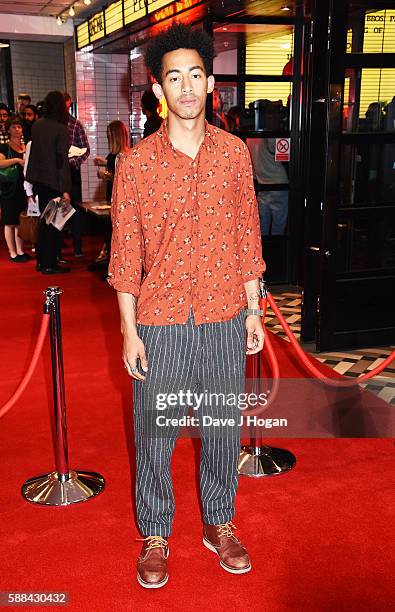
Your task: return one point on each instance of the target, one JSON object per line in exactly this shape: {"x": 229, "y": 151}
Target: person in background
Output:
{"x": 219, "y": 118}
{"x": 4, "y": 114}
{"x": 234, "y": 118}
{"x": 13, "y": 199}
{"x": 40, "y": 109}
{"x": 29, "y": 117}
{"x": 118, "y": 143}
{"x": 273, "y": 204}
{"x": 149, "y": 107}
{"x": 23, "y": 100}
{"x": 49, "y": 172}
{"x": 78, "y": 138}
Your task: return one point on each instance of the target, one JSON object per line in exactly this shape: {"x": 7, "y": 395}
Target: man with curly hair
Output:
{"x": 185, "y": 262}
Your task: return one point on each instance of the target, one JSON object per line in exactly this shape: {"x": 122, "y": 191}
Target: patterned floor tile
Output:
{"x": 351, "y": 363}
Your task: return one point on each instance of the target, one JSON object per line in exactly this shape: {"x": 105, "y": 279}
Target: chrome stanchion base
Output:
{"x": 265, "y": 461}
{"x": 49, "y": 490}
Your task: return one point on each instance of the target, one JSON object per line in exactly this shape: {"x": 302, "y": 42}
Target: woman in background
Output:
{"x": 49, "y": 172}
{"x": 13, "y": 198}
{"x": 118, "y": 143}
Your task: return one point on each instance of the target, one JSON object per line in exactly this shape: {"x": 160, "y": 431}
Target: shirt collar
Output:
{"x": 164, "y": 142}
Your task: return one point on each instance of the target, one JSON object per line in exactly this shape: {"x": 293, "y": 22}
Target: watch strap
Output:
{"x": 253, "y": 311}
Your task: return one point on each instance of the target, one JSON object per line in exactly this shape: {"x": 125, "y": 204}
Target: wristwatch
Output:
{"x": 253, "y": 311}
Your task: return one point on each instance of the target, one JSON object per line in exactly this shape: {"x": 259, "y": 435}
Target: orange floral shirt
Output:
{"x": 185, "y": 232}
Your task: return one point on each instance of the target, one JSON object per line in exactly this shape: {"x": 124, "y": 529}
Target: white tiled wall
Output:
{"x": 102, "y": 96}
{"x": 37, "y": 68}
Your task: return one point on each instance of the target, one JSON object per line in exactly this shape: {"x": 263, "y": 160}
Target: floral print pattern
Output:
{"x": 185, "y": 232}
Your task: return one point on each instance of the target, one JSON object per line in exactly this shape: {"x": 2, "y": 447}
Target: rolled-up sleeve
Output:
{"x": 127, "y": 243}
{"x": 249, "y": 233}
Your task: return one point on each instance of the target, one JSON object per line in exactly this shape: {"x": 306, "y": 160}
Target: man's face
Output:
{"x": 29, "y": 115}
{"x": 3, "y": 116}
{"x": 185, "y": 84}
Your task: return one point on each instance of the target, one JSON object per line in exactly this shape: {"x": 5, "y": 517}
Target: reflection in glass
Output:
{"x": 377, "y": 34}
{"x": 369, "y": 100}
{"x": 366, "y": 242}
{"x": 367, "y": 174}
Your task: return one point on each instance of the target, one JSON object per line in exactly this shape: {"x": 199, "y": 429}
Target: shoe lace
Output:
{"x": 154, "y": 542}
{"x": 226, "y": 529}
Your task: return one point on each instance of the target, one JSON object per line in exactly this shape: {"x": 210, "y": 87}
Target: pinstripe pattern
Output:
{"x": 208, "y": 357}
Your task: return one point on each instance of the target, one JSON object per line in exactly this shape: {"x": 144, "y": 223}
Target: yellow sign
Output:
{"x": 96, "y": 26}
{"x": 379, "y": 36}
{"x": 133, "y": 10}
{"x": 154, "y": 5}
{"x": 173, "y": 9}
{"x": 113, "y": 17}
{"x": 82, "y": 35}
{"x": 268, "y": 54}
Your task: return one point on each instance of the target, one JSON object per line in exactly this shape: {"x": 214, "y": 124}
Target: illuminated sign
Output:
{"x": 113, "y": 17}
{"x": 154, "y": 5}
{"x": 82, "y": 35}
{"x": 133, "y": 10}
{"x": 379, "y": 33}
{"x": 172, "y": 9}
{"x": 379, "y": 36}
{"x": 123, "y": 12}
{"x": 96, "y": 26}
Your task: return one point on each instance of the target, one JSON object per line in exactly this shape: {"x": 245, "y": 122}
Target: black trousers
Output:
{"x": 48, "y": 244}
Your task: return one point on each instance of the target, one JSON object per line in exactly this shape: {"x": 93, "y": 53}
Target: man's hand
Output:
{"x": 133, "y": 349}
{"x": 66, "y": 196}
{"x": 255, "y": 334}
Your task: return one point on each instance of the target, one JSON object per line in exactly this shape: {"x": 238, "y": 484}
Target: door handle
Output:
{"x": 317, "y": 249}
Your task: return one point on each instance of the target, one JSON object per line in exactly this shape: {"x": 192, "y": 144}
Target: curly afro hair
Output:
{"x": 179, "y": 36}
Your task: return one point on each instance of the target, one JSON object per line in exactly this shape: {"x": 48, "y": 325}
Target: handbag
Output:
{"x": 8, "y": 179}
{"x": 28, "y": 228}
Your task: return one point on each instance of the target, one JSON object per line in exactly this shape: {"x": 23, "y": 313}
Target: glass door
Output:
{"x": 350, "y": 249}
{"x": 257, "y": 97}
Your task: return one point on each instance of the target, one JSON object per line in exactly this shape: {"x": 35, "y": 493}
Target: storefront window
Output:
{"x": 366, "y": 242}
{"x": 255, "y": 50}
{"x": 369, "y": 100}
{"x": 269, "y": 51}
{"x": 377, "y": 35}
{"x": 367, "y": 174}
{"x": 5, "y": 74}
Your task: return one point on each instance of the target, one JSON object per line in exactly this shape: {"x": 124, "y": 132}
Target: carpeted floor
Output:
{"x": 319, "y": 537}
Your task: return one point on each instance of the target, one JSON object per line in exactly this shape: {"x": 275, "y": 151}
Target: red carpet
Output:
{"x": 319, "y": 537}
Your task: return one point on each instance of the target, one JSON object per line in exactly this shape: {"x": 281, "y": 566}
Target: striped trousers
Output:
{"x": 208, "y": 359}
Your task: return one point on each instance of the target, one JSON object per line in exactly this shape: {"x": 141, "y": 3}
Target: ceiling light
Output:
{"x": 4, "y": 45}
{"x": 285, "y": 8}
{"x": 71, "y": 11}
{"x": 87, "y": 2}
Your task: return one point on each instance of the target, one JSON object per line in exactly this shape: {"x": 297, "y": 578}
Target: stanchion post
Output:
{"x": 59, "y": 399}
{"x": 64, "y": 486}
{"x": 258, "y": 459}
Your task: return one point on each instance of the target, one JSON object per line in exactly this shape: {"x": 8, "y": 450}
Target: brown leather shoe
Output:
{"x": 221, "y": 540}
{"x": 152, "y": 562}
